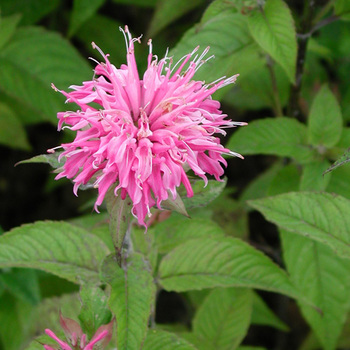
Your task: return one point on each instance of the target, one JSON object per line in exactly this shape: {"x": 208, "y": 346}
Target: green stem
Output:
{"x": 120, "y": 218}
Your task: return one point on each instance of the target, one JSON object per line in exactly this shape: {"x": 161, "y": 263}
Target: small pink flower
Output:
{"x": 77, "y": 339}
{"x": 141, "y": 135}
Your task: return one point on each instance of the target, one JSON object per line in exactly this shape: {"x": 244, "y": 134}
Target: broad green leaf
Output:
{"x": 167, "y": 12}
{"x": 287, "y": 179}
{"x": 324, "y": 279}
{"x": 281, "y": 137}
{"x": 56, "y": 247}
{"x": 15, "y": 317}
{"x": 31, "y": 11}
{"x": 345, "y": 158}
{"x": 30, "y": 62}
{"x": 131, "y": 299}
{"x": 234, "y": 37}
{"x": 342, "y": 9}
{"x": 82, "y": 11}
{"x": 94, "y": 310}
{"x": 141, "y": 3}
{"x": 259, "y": 186}
{"x": 7, "y": 27}
{"x": 262, "y": 315}
{"x": 22, "y": 283}
{"x": 12, "y": 132}
{"x": 339, "y": 182}
{"x": 325, "y": 119}
{"x": 202, "y": 196}
{"x": 273, "y": 29}
{"x": 224, "y": 317}
{"x": 221, "y": 262}
{"x": 177, "y": 230}
{"x": 104, "y": 32}
{"x": 313, "y": 215}
{"x": 159, "y": 340}
{"x": 313, "y": 178}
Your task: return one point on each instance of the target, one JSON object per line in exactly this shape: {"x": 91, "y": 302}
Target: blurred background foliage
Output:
{"x": 295, "y": 95}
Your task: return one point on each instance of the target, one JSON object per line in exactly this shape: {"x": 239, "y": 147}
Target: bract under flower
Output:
{"x": 144, "y": 133}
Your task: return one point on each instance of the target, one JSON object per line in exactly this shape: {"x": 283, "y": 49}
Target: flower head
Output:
{"x": 77, "y": 339}
{"x": 141, "y": 135}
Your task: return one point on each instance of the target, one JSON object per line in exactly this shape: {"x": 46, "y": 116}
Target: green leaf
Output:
{"x": 286, "y": 179}
{"x": 323, "y": 277}
{"x": 345, "y": 158}
{"x": 325, "y": 119}
{"x": 223, "y": 319}
{"x": 56, "y": 247}
{"x": 141, "y": 3}
{"x": 50, "y": 158}
{"x": 273, "y": 29}
{"x": 12, "y": 132}
{"x": 234, "y": 38}
{"x": 30, "y": 62}
{"x": 221, "y": 262}
{"x": 82, "y": 11}
{"x": 177, "y": 205}
{"x": 339, "y": 182}
{"x": 94, "y": 310}
{"x": 342, "y": 9}
{"x": 167, "y": 12}
{"x": 159, "y": 340}
{"x": 22, "y": 283}
{"x": 313, "y": 178}
{"x": 313, "y": 215}
{"x": 7, "y": 27}
{"x": 131, "y": 299}
{"x": 281, "y": 137}
{"x": 31, "y": 11}
{"x": 202, "y": 196}
{"x": 177, "y": 230}
{"x": 262, "y": 315}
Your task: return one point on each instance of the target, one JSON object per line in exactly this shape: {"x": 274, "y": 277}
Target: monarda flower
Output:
{"x": 76, "y": 338}
{"x": 140, "y": 136}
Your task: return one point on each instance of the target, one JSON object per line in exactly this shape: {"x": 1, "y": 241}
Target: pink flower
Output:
{"x": 77, "y": 339}
{"x": 141, "y": 135}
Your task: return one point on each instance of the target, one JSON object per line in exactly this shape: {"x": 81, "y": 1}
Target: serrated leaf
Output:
{"x": 274, "y": 30}
{"x": 339, "y": 182}
{"x": 223, "y": 319}
{"x": 325, "y": 119}
{"x": 31, "y": 11}
{"x": 313, "y": 215}
{"x": 202, "y": 196}
{"x": 282, "y": 137}
{"x": 221, "y": 262}
{"x": 55, "y": 247}
{"x": 167, "y": 12}
{"x": 262, "y": 315}
{"x": 82, "y": 11}
{"x": 30, "y": 62}
{"x": 313, "y": 178}
{"x": 131, "y": 299}
{"x": 94, "y": 310}
{"x": 7, "y": 27}
{"x": 234, "y": 37}
{"x": 345, "y": 158}
{"x": 159, "y": 340}
{"x": 177, "y": 230}
{"x": 324, "y": 279}
{"x": 287, "y": 179}
{"x": 12, "y": 132}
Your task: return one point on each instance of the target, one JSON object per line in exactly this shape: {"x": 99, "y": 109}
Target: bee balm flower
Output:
{"x": 140, "y": 135}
